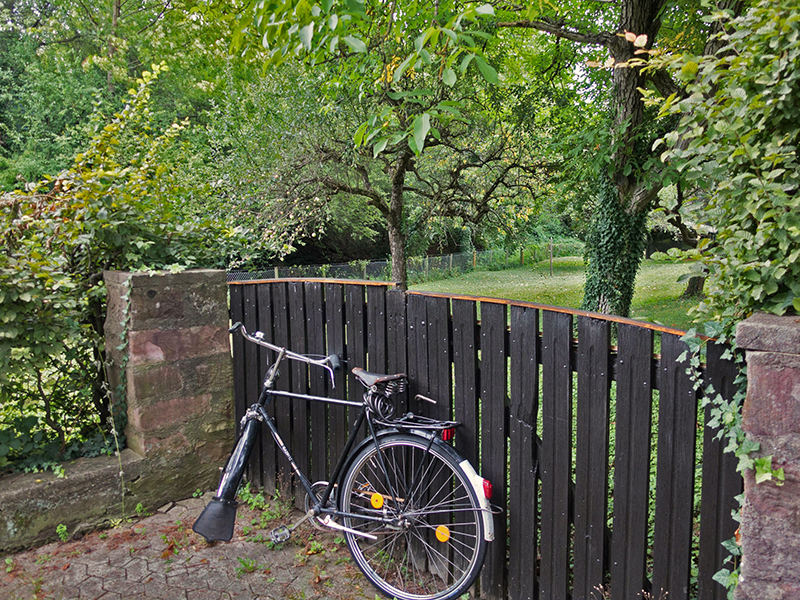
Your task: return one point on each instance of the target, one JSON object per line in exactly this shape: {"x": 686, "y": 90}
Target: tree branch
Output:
{"x": 561, "y": 30}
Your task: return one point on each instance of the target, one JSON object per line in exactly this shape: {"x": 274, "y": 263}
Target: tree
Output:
{"x": 403, "y": 63}
{"x": 629, "y": 186}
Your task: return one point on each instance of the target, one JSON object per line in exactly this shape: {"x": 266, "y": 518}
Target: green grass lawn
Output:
{"x": 657, "y": 297}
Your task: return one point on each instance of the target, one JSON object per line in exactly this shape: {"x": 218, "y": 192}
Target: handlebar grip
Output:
{"x": 336, "y": 365}
{"x": 236, "y": 327}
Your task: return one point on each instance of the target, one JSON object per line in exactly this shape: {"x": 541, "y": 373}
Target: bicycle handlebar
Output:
{"x": 329, "y": 363}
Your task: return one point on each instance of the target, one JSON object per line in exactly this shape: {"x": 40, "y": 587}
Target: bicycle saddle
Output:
{"x": 370, "y": 379}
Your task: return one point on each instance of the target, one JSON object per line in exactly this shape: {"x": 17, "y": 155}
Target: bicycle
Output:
{"x": 415, "y": 514}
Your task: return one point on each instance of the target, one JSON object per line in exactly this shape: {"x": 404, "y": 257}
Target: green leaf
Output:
{"x": 449, "y": 77}
{"x": 306, "y": 34}
{"x": 422, "y": 124}
{"x": 465, "y": 62}
{"x": 486, "y": 9}
{"x": 358, "y": 138}
{"x": 401, "y": 69}
{"x": 356, "y": 45}
{"x": 489, "y": 73}
{"x": 379, "y": 146}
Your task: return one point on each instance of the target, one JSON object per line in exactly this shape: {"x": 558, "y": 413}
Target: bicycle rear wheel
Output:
{"x": 435, "y": 546}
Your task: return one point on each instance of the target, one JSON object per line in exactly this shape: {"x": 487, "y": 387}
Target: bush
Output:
{"x": 113, "y": 209}
{"x": 739, "y": 140}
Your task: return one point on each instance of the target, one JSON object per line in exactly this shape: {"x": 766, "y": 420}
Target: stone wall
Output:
{"x": 168, "y": 345}
{"x": 770, "y": 528}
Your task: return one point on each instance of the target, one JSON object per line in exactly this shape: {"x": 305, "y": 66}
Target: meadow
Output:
{"x": 657, "y": 298}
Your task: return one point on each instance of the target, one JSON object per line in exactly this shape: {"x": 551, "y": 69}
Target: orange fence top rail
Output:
{"x": 572, "y": 311}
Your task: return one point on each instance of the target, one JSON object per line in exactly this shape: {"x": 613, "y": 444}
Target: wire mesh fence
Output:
{"x": 420, "y": 268}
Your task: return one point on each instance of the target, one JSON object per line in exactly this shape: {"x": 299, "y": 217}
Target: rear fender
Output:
{"x": 475, "y": 480}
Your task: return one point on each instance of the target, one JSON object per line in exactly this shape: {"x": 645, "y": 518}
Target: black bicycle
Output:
{"x": 414, "y": 512}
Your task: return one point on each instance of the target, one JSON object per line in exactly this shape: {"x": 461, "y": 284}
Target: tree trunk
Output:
{"x": 116, "y": 9}
{"x": 394, "y": 221}
{"x": 615, "y": 246}
{"x": 618, "y": 231}
{"x": 694, "y": 289}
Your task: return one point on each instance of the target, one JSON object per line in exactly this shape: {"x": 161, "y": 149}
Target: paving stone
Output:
{"x": 159, "y": 590}
{"x": 203, "y": 594}
{"x": 91, "y": 589}
{"x": 136, "y": 570}
{"x": 120, "y": 585}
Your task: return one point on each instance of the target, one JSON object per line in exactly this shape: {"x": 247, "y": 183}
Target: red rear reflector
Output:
{"x": 487, "y": 489}
{"x": 448, "y": 435}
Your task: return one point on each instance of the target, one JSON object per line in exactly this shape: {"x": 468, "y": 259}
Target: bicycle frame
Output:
{"x": 217, "y": 519}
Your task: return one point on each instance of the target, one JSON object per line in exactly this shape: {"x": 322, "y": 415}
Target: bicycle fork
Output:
{"x": 218, "y": 518}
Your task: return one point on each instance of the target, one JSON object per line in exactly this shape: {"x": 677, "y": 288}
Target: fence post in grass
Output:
{"x": 522, "y": 257}
{"x": 551, "y": 257}
{"x": 770, "y": 528}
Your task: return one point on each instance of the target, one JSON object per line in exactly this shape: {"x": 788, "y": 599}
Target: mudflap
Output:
{"x": 216, "y": 521}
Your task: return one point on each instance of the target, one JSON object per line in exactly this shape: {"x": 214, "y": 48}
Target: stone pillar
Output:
{"x": 770, "y": 528}
{"x": 167, "y": 341}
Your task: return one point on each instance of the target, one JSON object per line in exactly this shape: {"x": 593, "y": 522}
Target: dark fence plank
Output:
{"x": 252, "y": 384}
{"x": 721, "y": 482}
{"x": 268, "y": 448}
{"x": 465, "y": 382}
{"x": 591, "y": 456}
{"x": 356, "y": 318}
{"x": 335, "y": 329}
{"x": 494, "y": 373}
{"x": 417, "y": 319}
{"x": 283, "y": 406}
{"x": 376, "y": 329}
{"x": 439, "y": 359}
{"x": 300, "y": 419}
{"x": 556, "y": 456}
{"x": 396, "y": 334}
{"x": 631, "y": 461}
{"x": 523, "y": 493}
{"x": 318, "y": 381}
{"x": 677, "y": 427}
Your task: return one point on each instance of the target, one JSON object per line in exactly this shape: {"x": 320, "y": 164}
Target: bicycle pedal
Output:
{"x": 280, "y": 534}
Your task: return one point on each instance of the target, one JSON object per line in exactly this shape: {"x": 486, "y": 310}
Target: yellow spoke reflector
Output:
{"x": 377, "y": 500}
{"x": 442, "y": 533}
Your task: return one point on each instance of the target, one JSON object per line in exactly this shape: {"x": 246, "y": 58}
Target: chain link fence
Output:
{"x": 420, "y": 268}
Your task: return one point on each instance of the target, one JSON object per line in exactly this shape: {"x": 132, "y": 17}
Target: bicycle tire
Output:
{"x": 436, "y": 548}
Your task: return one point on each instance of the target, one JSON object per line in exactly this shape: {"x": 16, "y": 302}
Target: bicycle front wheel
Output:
{"x": 432, "y": 546}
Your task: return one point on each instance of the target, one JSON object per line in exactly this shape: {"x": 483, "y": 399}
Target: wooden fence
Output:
{"x": 613, "y": 486}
